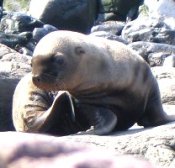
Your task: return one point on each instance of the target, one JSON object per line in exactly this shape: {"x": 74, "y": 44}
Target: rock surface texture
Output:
{"x": 32, "y": 150}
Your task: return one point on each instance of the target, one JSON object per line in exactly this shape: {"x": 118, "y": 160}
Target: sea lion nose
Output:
{"x": 36, "y": 79}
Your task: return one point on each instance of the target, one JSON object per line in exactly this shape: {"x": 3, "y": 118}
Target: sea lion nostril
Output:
{"x": 36, "y": 79}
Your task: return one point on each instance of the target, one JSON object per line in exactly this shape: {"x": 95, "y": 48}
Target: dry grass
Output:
{"x": 16, "y": 5}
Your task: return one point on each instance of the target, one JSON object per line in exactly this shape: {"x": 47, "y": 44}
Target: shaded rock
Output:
{"x": 153, "y": 53}
{"x": 15, "y": 22}
{"x": 166, "y": 80}
{"x": 15, "y": 41}
{"x": 118, "y": 10}
{"x": 12, "y": 67}
{"x": 32, "y": 150}
{"x": 38, "y": 33}
{"x": 21, "y": 32}
{"x": 68, "y": 14}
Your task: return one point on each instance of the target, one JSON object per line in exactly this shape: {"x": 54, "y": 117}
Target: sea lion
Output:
{"x": 111, "y": 87}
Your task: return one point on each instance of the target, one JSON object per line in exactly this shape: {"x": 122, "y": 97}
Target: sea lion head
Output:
{"x": 55, "y": 61}
{"x": 66, "y": 60}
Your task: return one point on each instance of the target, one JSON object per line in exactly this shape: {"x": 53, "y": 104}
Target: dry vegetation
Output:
{"x": 16, "y": 5}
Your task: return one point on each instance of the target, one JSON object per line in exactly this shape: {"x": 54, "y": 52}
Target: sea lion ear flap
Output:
{"x": 79, "y": 50}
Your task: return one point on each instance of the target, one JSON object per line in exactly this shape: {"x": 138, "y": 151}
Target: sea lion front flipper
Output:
{"x": 61, "y": 109}
{"x": 101, "y": 120}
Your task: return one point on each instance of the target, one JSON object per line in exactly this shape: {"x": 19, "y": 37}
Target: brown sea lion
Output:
{"x": 111, "y": 87}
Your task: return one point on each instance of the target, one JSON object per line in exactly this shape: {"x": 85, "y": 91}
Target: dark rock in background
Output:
{"x": 118, "y": 10}
{"x": 68, "y": 14}
{"x": 16, "y": 22}
{"x": 40, "y": 32}
{"x": 21, "y": 32}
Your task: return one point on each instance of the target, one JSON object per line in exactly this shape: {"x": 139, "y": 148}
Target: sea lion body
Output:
{"x": 111, "y": 86}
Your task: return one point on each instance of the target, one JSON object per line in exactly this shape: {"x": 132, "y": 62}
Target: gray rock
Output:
{"x": 153, "y": 53}
{"x": 150, "y": 30}
{"x": 155, "y": 144}
{"x": 109, "y": 30}
{"x": 12, "y": 67}
{"x": 109, "y": 36}
{"x": 68, "y": 14}
{"x": 114, "y": 27}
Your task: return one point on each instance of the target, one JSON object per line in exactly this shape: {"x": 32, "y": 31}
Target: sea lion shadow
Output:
{"x": 133, "y": 130}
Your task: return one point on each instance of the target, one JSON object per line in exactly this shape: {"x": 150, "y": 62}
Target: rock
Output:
{"x": 33, "y": 150}
{"x": 149, "y": 30}
{"x": 109, "y": 36}
{"x": 169, "y": 61}
{"x": 16, "y": 22}
{"x": 15, "y": 41}
{"x": 153, "y": 53}
{"x": 155, "y": 144}
{"x": 12, "y": 67}
{"x": 109, "y": 30}
{"x": 164, "y": 8}
{"x": 68, "y": 14}
{"x": 21, "y": 32}
{"x": 40, "y": 32}
{"x": 166, "y": 80}
{"x": 16, "y": 31}
{"x": 114, "y": 27}
{"x": 118, "y": 10}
